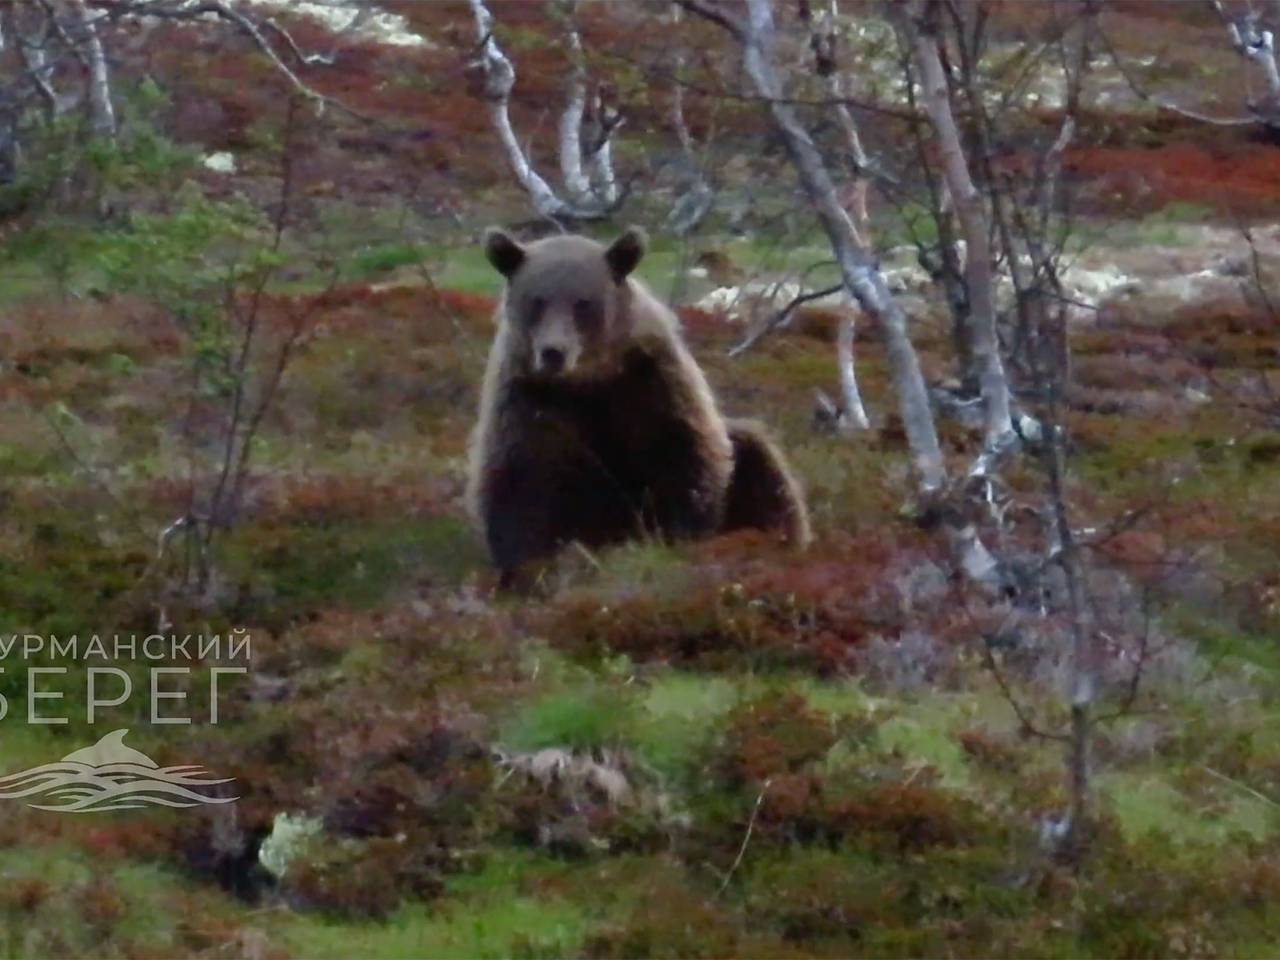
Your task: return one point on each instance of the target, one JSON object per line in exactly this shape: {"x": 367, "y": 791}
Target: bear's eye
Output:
{"x": 536, "y": 307}
{"x": 585, "y": 313}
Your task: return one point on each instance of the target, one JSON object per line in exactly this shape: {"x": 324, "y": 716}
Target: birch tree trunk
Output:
{"x": 696, "y": 201}
{"x": 500, "y": 79}
{"x": 1257, "y": 45}
{"x": 102, "y": 117}
{"x": 33, "y": 50}
{"x": 576, "y": 184}
{"x": 853, "y": 415}
{"x": 1086, "y": 659}
{"x": 979, "y": 272}
{"x": 861, "y": 275}
{"x": 856, "y": 202}
{"x": 604, "y": 185}
{"x": 678, "y": 123}
{"x": 585, "y": 203}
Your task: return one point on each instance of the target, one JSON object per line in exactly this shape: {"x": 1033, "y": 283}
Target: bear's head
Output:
{"x": 567, "y": 300}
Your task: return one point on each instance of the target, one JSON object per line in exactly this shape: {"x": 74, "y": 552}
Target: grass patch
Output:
{"x": 58, "y": 901}
{"x": 1148, "y": 804}
{"x": 286, "y": 572}
{"x": 925, "y": 739}
{"x": 585, "y": 717}
{"x": 486, "y": 914}
{"x": 680, "y": 714}
{"x": 378, "y": 260}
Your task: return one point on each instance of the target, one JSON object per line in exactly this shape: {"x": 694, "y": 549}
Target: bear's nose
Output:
{"x": 552, "y": 359}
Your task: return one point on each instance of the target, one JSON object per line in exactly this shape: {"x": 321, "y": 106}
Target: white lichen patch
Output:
{"x": 755, "y": 297}
{"x": 221, "y": 162}
{"x": 358, "y": 18}
{"x": 290, "y": 836}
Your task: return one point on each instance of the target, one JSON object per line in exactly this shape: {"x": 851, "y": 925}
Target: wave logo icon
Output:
{"x": 110, "y": 776}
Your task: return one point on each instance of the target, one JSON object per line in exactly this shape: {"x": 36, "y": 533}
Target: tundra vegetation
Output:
{"x": 1003, "y": 279}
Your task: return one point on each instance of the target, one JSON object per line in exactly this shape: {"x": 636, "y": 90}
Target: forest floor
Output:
{"x": 706, "y": 749}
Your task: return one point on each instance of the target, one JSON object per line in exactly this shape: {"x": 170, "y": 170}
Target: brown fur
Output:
{"x": 596, "y": 423}
{"x": 763, "y": 493}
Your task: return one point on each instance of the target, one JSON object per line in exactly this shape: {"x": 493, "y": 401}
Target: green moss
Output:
{"x": 921, "y": 738}
{"x": 61, "y": 902}
{"x": 467, "y": 269}
{"x": 379, "y": 260}
{"x": 585, "y": 717}
{"x": 1146, "y": 804}
{"x": 66, "y": 579}
{"x": 485, "y": 915}
{"x": 680, "y": 713}
{"x": 290, "y": 571}
{"x": 837, "y": 698}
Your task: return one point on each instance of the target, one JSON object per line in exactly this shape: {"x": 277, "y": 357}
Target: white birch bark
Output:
{"x": 576, "y": 184}
{"x": 500, "y": 79}
{"x": 102, "y": 117}
{"x": 1265, "y": 52}
{"x": 979, "y": 272}
{"x": 585, "y": 203}
{"x": 604, "y": 184}
{"x": 678, "y": 123}
{"x": 853, "y": 415}
{"x": 32, "y": 49}
{"x": 861, "y": 275}
{"x": 695, "y": 202}
{"x": 1257, "y": 45}
{"x": 862, "y": 278}
{"x": 856, "y": 204}
{"x": 1086, "y": 660}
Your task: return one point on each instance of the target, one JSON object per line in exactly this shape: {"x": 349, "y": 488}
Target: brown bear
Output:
{"x": 597, "y": 425}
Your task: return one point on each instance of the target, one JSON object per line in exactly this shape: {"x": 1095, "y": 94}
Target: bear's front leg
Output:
{"x": 666, "y": 438}
{"x": 545, "y": 490}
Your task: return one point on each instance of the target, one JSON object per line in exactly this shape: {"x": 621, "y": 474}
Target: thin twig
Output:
{"x": 187, "y": 12}
{"x": 746, "y": 838}
{"x": 1242, "y": 786}
{"x": 1150, "y": 98}
{"x": 781, "y": 318}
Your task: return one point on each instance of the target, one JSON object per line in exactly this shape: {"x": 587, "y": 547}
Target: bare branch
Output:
{"x": 500, "y": 78}
{"x": 710, "y": 11}
{"x": 188, "y": 10}
{"x": 306, "y": 59}
{"x": 1147, "y": 97}
{"x": 979, "y": 272}
{"x": 858, "y": 266}
{"x": 1257, "y": 45}
{"x": 825, "y": 43}
{"x": 781, "y": 318}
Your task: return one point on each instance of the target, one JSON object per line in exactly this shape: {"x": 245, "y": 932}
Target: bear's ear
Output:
{"x": 625, "y": 252}
{"x": 503, "y": 251}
